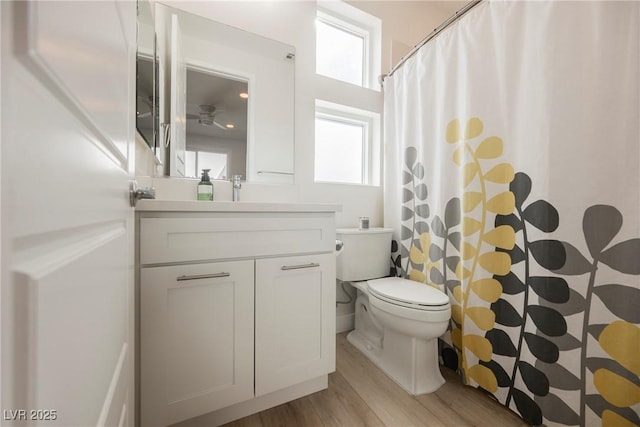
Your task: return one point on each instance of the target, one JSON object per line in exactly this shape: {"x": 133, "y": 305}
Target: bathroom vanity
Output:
{"x": 236, "y": 307}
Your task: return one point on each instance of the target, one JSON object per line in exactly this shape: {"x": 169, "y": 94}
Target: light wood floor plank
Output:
{"x": 360, "y": 395}
{"x": 388, "y": 400}
{"x": 340, "y": 405}
{"x": 474, "y": 406}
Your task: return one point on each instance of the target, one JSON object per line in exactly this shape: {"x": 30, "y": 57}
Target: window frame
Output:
{"x": 352, "y": 20}
{"x": 354, "y": 30}
{"x": 370, "y": 122}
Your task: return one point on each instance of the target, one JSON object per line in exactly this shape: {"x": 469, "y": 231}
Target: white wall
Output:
{"x": 404, "y": 22}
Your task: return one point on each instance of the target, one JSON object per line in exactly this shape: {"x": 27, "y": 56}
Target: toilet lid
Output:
{"x": 407, "y": 292}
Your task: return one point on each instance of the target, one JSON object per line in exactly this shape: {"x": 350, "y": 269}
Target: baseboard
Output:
{"x": 344, "y": 322}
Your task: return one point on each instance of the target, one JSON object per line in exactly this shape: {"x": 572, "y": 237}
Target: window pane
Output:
{"x": 339, "y": 151}
{"x": 190, "y": 167}
{"x": 217, "y": 162}
{"x": 339, "y": 53}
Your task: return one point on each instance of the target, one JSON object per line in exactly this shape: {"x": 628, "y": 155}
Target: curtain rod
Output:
{"x": 453, "y": 18}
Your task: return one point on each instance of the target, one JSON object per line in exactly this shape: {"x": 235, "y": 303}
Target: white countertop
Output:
{"x": 158, "y": 205}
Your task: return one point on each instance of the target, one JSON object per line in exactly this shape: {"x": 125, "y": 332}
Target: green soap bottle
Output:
{"x": 205, "y": 187}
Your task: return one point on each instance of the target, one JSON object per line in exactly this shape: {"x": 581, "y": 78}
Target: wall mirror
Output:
{"x": 146, "y": 77}
{"x": 225, "y": 100}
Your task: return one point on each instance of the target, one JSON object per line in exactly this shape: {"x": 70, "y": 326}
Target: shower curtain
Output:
{"x": 513, "y": 185}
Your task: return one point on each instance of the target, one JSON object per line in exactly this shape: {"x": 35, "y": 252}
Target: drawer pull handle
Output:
{"x": 297, "y": 267}
{"x": 202, "y": 276}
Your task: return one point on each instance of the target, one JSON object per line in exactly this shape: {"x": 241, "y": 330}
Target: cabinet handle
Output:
{"x": 202, "y": 276}
{"x": 296, "y": 267}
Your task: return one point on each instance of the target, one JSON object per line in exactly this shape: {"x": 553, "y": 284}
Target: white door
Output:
{"x": 68, "y": 76}
{"x": 178, "y": 109}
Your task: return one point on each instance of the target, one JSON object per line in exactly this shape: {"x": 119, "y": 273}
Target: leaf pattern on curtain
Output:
{"x": 479, "y": 251}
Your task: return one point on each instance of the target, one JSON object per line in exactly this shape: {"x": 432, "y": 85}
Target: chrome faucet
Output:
{"x": 235, "y": 180}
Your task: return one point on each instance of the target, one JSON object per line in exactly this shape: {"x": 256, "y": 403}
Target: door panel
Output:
{"x": 68, "y": 73}
{"x": 196, "y": 339}
{"x": 295, "y": 320}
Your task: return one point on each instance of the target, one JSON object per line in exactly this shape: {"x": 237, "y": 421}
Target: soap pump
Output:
{"x": 205, "y": 187}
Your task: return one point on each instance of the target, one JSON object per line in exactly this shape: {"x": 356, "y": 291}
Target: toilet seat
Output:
{"x": 409, "y": 294}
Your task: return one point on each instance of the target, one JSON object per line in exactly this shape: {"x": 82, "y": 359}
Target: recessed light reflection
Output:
{"x": 244, "y": 95}
{"x": 229, "y": 126}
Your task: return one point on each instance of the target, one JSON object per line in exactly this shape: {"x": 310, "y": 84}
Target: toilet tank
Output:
{"x": 366, "y": 254}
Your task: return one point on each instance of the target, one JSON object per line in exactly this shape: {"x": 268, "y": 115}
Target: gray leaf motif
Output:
{"x": 618, "y": 299}
{"x": 452, "y": 212}
{"x": 623, "y": 257}
{"x": 575, "y": 263}
{"x": 600, "y": 225}
{"x": 556, "y": 410}
{"x": 559, "y": 376}
{"x": 410, "y": 156}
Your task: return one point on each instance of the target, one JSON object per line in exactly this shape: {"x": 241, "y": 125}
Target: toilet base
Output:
{"x": 412, "y": 363}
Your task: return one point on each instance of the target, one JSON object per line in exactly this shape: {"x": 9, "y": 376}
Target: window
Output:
{"x": 347, "y": 119}
{"x": 340, "y": 52}
{"x": 195, "y": 161}
{"x": 348, "y": 44}
{"x": 346, "y": 145}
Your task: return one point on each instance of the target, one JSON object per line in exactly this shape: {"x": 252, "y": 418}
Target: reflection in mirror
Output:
{"x": 231, "y": 134}
{"x": 216, "y": 125}
{"x": 146, "y": 94}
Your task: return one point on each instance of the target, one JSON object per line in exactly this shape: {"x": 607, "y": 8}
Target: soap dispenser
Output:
{"x": 205, "y": 187}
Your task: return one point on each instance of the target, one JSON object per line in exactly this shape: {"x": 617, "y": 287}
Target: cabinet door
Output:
{"x": 295, "y": 320}
{"x": 196, "y": 339}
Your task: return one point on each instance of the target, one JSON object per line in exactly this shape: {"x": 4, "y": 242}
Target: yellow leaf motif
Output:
{"x": 425, "y": 242}
{"x": 453, "y": 131}
{"x": 483, "y": 317}
{"x": 489, "y": 148}
{"x": 470, "y": 200}
{"x": 416, "y": 256}
{"x": 500, "y": 174}
{"x": 502, "y": 236}
{"x": 480, "y": 346}
{"x": 611, "y": 419}
{"x": 457, "y": 293}
{"x": 622, "y": 340}
{"x": 470, "y": 226}
{"x": 496, "y": 262}
{"x": 473, "y": 129}
{"x": 503, "y": 204}
{"x": 487, "y": 289}
{"x": 456, "y": 337}
{"x": 458, "y": 156}
{"x": 456, "y": 314}
{"x": 484, "y": 377}
{"x": 417, "y": 276}
{"x": 615, "y": 389}
{"x": 470, "y": 172}
{"x": 462, "y": 272}
{"x": 467, "y": 250}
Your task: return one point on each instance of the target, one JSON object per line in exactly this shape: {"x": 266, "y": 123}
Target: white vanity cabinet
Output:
{"x": 196, "y": 339}
{"x": 294, "y": 338}
{"x": 237, "y": 308}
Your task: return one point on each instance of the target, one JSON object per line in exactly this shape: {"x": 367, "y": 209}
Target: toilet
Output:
{"x": 397, "y": 321}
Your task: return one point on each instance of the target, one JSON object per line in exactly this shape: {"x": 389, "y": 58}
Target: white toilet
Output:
{"x": 397, "y": 321}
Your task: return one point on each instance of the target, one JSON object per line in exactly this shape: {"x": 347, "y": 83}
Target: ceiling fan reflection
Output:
{"x": 206, "y": 116}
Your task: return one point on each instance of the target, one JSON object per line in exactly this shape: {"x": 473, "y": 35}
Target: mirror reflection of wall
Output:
{"x": 216, "y": 125}
{"x": 144, "y": 99}
{"x": 146, "y": 96}
{"x": 231, "y": 135}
